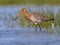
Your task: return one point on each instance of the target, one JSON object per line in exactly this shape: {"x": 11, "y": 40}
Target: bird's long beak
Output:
{"x": 19, "y": 14}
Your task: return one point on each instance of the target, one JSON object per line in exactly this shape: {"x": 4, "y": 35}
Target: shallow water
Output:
{"x": 11, "y": 32}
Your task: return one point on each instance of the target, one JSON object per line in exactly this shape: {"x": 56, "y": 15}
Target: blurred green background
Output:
{"x": 37, "y": 2}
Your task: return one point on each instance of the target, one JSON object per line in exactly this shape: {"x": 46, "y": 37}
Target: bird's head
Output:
{"x": 23, "y": 10}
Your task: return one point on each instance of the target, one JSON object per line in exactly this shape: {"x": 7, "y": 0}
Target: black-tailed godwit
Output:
{"x": 36, "y": 18}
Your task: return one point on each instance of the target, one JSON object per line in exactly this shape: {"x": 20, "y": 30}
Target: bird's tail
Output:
{"x": 51, "y": 19}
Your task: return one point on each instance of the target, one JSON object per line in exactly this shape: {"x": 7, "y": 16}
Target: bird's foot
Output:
{"x": 40, "y": 29}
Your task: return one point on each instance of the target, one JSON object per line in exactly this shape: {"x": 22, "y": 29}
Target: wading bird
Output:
{"x": 36, "y": 18}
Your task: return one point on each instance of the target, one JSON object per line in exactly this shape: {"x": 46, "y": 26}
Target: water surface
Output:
{"x": 20, "y": 33}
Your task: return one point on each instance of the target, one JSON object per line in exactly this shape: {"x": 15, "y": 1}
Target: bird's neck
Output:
{"x": 27, "y": 14}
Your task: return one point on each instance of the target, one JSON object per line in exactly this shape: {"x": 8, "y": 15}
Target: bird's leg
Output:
{"x": 39, "y": 26}
{"x": 36, "y": 27}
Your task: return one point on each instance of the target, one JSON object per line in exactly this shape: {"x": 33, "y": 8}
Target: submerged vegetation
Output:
{"x": 8, "y": 18}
